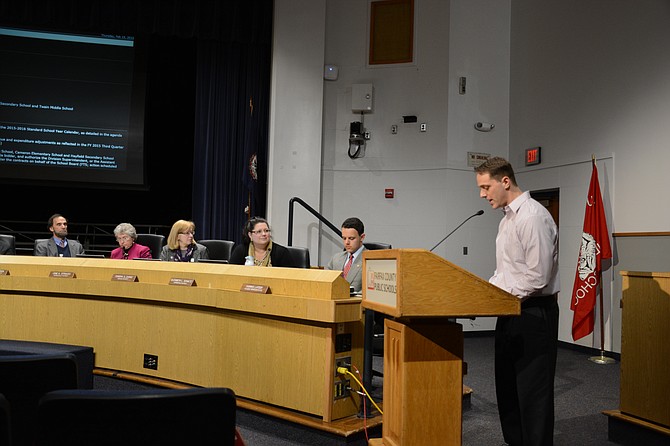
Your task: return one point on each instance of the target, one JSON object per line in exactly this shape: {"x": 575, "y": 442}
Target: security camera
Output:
{"x": 484, "y": 126}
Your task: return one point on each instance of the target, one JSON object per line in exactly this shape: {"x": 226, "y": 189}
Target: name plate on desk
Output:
{"x": 4, "y": 272}
{"x": 124, "y": 278}
{"x": 63, "y": 274}
{"x": 381, "y": 283}
{"x": 251, "y": 288}
{"x": 182, "y": 282}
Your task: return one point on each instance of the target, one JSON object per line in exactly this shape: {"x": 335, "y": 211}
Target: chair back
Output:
{"x": 154, "y": 242}
{"x": 218, "y": 249}
{"x": 373, "y": 246}
{"x": 199, "y": 416}
{"x": 299, "y": 257}
{"x": 24, "y": 379}
{"x": 7, "y": 244}
{"x": 37, "y": 242}
{"x": 5, "y": 420}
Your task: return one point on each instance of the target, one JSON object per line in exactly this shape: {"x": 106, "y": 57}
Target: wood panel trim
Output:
{"x": 640, "y": 234}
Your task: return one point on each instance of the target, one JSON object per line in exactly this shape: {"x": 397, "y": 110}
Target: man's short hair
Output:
{"x": 50, "y": 222}
{"x": 354, "y": 223}
{"x": 497, "y": 168}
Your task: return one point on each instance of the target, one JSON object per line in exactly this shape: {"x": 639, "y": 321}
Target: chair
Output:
{"x": 7, "y": 244}
{"x": 199, "y": 416}
{"x": 5, "y": 420}
{"x": 155, "y": 242}
{"x": 24, "y": 379}
{"x": 37, "y": 242}
{"x": 218, "y": 249}
{"x": 374, "y": 245}
{"x": 299, "y": 257}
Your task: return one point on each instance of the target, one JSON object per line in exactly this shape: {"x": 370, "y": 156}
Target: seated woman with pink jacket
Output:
{"x": 126, "y": 235}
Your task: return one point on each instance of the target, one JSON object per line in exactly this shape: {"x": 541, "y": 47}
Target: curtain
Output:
{"x": 231, "y": 136}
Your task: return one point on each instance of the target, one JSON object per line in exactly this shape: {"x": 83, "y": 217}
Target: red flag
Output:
{"x": 595, "y": 247}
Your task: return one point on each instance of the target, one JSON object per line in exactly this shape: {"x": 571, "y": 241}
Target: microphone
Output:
{"x": 479, "y": 212}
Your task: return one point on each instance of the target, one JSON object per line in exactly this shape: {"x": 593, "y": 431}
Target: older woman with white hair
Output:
{"x": 126, "y": 235}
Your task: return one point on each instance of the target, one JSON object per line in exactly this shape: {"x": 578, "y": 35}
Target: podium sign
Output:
{"x": 423, "y": 349}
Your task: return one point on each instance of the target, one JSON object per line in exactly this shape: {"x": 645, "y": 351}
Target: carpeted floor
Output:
{"x": 583, "y": 390}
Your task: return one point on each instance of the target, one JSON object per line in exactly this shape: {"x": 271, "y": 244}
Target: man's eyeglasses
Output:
{"x": 262, "y": 231}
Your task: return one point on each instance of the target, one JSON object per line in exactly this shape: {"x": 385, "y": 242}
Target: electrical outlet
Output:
{"x": 394, "y": 129}
{"x": 423, "y": 127}
{"x": 342, "y": 362}
{"x": 150, "y": 361}
{"x": 342, "y": 389}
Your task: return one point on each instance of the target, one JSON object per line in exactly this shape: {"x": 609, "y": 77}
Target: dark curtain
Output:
{"x": 231, "y": 136}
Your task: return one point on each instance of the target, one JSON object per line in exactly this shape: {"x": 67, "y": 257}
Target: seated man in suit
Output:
{"x": 350, "y": 261}
{"x": 58, "y": 245}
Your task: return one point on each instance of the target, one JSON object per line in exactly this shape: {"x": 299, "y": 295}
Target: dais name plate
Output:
{"x": 4, "y": 272}
{"x": 182, "y": 282}
{"x": 124, "y": 278}
{"x": 63, "y": 274}
{"x": 251, "y": 288}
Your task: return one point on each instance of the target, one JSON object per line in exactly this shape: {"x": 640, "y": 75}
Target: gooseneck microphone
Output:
{"x": 479, "y": 212}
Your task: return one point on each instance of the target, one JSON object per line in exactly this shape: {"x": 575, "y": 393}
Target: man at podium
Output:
{"x": 525, "y": 345}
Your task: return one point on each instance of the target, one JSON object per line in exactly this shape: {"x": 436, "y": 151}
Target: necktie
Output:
{"x": 347, "y": 267}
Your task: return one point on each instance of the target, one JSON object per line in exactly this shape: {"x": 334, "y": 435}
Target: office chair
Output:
{"x": 154, "y": 242}
{"x": 9, "y": 243}
{"x": 299, "y": 257}
{"x": 199, "y": 416}
{"x": 5, "y": 420}
{"x": 375, "y": 245}
{"x": 218, "y": 249}
{"x": 24, "y": 379}
{"x": 37, "y": 242}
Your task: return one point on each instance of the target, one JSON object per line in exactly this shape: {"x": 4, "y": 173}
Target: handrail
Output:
{"x": 312, "y": 211}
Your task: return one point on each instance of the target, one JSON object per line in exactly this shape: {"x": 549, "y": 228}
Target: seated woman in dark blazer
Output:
{"x": 181, "y": 245}
{"x": 259, "y": 245}
{"x": 126, "y": 235}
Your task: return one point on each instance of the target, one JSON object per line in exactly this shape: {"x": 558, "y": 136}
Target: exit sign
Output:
{"x": 533, "y": 156}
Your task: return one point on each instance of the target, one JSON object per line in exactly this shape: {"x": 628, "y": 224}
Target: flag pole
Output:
{"x": 602, "y": 359}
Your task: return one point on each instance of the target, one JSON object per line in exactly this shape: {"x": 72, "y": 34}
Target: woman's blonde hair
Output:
{"x": 179, "y": 227}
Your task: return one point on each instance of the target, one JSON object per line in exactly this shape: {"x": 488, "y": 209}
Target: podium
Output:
{"x": 645, "y": 366}
{"x": 423, "y": 346}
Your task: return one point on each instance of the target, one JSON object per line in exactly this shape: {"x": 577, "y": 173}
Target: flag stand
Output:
{"x": 602, "y": 359}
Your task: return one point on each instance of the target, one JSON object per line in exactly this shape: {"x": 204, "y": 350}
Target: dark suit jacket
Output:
{"x": 279, "y": 256}
{"x": 48, "y": 248}
{"x": 355, "y": 276}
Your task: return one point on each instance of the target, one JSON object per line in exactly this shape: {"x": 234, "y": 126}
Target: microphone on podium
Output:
{"x": 479, "y": 212}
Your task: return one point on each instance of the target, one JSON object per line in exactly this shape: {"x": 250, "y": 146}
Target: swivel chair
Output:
{"x": 375, "y": 245}
{"x": 5, "y": 421}
{"x": 24, "y": 379}
{"x": 299, "y": 257}
{"x": 154, "y": 242}
{"x": 37, "y": 242}
{"x": 199, "y": 416}
{"x": 8, "y": 243}
{"x": 218, "y": 249}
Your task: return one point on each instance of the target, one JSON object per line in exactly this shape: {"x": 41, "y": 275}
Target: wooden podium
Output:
{"x": 423, "y": 348}
{"x": 645, "y": 351}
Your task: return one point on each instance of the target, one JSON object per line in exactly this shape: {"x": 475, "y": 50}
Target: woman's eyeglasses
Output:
{"x": 262, "y": 231}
